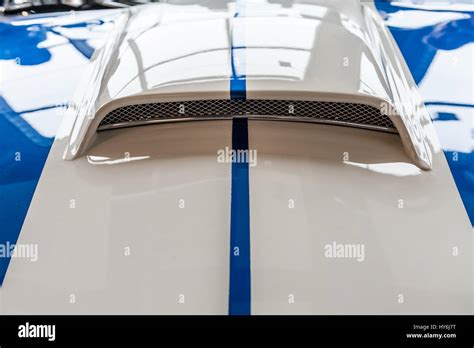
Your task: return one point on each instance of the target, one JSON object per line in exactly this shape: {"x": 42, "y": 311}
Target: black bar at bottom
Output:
{"x": 448, "y": 331}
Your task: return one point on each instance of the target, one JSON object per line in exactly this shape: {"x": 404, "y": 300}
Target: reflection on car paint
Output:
{"x": 395, "y": 169}
{"x": 440, "y": 55}
{"x": 42, "y": 50}
{"x": 24, "y": 47}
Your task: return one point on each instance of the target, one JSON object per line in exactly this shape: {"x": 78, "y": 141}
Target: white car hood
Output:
{"x": 138, "y": 220}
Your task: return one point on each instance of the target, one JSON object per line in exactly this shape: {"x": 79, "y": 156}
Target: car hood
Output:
{"x": 139, "y": 221}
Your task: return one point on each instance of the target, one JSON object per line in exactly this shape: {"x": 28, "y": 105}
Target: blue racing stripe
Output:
{"x": 238, "y": 84}
{"x": 240, "y": 278}
{"x": 239, "y": 287}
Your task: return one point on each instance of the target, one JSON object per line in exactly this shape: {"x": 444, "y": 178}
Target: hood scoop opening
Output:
{"x": 340, "y": 113}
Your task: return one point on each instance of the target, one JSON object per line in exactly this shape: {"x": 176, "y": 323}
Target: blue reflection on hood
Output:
{"x": 420, "y": 47}
{"x": 24, "y": 148}
{"x": 21, "y": 43}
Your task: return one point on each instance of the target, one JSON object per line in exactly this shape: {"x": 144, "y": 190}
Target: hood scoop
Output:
{"x": 351, "y": 114}
{"x": 330, "y": 62}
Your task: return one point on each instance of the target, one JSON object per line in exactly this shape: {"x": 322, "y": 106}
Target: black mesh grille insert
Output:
{"x": 360, "y": 115}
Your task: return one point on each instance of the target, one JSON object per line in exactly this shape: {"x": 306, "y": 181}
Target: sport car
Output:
{"x": 237, "y": 157}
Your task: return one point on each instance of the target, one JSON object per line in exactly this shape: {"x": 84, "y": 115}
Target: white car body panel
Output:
{"x": 408, "y": 251}
{"x": 122, "y": 207}
{"x": 122, "y": 189}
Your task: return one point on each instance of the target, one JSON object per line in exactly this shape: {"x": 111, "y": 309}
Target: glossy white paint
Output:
{"x": 322, "y": 50}
{"x": 157, "y": 193}
{"x": 134, "y": 202}
{"x": 303, "y": 197}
